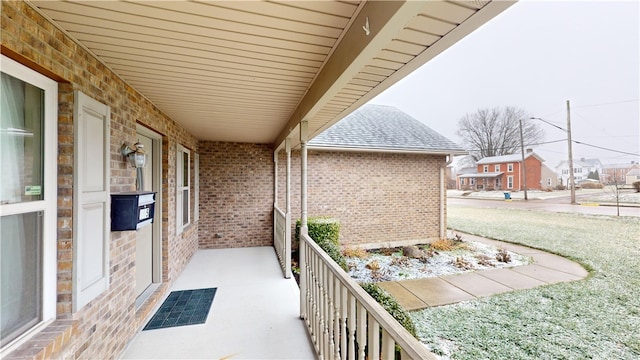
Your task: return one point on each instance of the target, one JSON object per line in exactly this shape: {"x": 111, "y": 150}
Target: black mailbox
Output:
{"x": 132, "y": 210}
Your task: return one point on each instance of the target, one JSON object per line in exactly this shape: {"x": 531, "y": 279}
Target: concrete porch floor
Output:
{"x": 254, "y": 315}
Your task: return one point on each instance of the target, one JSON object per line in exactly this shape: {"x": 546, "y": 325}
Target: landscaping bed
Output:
{"x": 440, "y": 258}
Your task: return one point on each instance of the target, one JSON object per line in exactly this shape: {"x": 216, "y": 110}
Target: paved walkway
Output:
{"x": 545, "y": 269}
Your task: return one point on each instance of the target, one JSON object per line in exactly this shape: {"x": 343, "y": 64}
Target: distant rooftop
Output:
{"x": 507, "y": 158}
{"x": 380, "y": 127}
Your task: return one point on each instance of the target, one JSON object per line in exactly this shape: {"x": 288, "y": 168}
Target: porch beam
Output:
{"x": 287, "y": 235}
{"x": 356, "y": 49}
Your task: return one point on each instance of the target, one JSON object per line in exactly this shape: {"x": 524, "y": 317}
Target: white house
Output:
{"x": 581, "y": 169}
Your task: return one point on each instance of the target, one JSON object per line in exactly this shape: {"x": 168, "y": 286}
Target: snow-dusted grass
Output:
{"x": 595, "y": 318}
{"x": 395, "y": 267}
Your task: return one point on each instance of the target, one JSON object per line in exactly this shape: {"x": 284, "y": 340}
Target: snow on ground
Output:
{"x": 396, "y": 267}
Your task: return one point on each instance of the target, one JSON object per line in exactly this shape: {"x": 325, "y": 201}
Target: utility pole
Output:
{"x": 524, "y": 172}
{"x": 571, "y": 182}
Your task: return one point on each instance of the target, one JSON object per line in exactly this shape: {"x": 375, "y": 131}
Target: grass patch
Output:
{"x": 355, "y": 252}
{"x": 597, "y": 318}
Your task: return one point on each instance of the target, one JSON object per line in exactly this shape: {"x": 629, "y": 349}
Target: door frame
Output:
{"x": 156, "y": 185}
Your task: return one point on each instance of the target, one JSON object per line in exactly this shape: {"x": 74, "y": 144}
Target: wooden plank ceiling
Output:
{"x": 249, "y": 71}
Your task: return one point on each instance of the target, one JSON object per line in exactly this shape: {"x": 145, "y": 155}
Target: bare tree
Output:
{"x": 493, "y": 132}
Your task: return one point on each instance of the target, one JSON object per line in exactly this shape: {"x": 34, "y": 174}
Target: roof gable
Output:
{"x": 384, "y": 127}
{"x": 507, "y": 158}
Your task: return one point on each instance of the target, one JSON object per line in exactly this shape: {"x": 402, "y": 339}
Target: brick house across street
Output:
{"x": 188, "y": 113}
{"x": 505, "y": 173}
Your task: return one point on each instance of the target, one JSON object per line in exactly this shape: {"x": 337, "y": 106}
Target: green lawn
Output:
{"x": 595, "y": 318}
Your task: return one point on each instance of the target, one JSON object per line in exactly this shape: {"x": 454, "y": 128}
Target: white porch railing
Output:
{"x": 282, "y": 240}
{"x": 342, "y": 319}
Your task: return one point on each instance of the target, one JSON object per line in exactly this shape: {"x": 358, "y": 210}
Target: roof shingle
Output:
{"x": 384, "y": 127}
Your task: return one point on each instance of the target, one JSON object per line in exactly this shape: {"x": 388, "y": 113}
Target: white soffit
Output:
{"x": 245, "y": 71}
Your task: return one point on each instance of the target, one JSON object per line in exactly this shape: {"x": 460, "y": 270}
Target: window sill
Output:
{"x": 47, "y": 343}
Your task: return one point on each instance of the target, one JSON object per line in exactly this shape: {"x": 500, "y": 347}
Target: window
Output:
{"x": 509, "y": 182}
{"x": 485, "y": 168}
{"x": 472, "y": 181}
{"x": 497, "y": 168}
{"x": 28, "y": 200}
{"x": 548, "y": 181}
{"x": 509, "y": 167}
{"x": 461, "y": 181}
{"x": 183, "y": 191}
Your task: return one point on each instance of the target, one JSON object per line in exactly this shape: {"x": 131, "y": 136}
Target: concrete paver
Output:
{"x": 549, "y": 276}
{"x": 435, "y": 291}
{"x": 405, "y": 297}
{"x": 511, "y": 279}
{"x": 559, "y": 263}
{"x": 476, "y": 284}
{"x": 546, "y": 269}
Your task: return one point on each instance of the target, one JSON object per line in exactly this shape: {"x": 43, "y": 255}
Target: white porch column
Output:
{"x": 288, "y": 211}
{"x": 303, "y": 216}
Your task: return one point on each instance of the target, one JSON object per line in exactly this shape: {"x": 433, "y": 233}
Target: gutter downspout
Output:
{"x": 443, "y": 192}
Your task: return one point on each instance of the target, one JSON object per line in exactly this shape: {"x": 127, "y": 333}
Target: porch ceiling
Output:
{"x": 250, "y": 71}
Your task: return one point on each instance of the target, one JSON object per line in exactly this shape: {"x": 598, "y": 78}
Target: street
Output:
{"x": 555, "y": 204}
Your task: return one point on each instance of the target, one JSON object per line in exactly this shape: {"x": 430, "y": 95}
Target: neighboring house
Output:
{"x": 465, "y": 180}
{"x": 548, "y": 178}
{"x": 214, "y": 93}
{"x": 633, "y": 175}
{"x": 505, "y": 173}
{"x": 375, "y": 171}
{"x": 581, "y": 169}
{"x": 617, "y": 173}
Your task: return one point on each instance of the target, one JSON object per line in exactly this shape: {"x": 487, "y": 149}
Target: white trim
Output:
{"x": 180, "y": 187}
{"x": 196, "y": 186}
{"x": 50, "y": 203}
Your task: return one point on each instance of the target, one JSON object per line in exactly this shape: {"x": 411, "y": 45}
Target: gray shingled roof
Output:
{"x": 384, "y": 128}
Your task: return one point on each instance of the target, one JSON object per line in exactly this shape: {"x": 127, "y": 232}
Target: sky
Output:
{"x": 536, "y": 55}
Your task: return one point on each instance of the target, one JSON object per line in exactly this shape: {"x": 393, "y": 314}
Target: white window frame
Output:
{"x": 496, "y": 168}
{"x": 49, "y": 204}
{"x": 472, "y": 181}
{"x": 181, "y": 187}
{"x": 485, "y": 168}
{"x": 548, "y": 181}
{"x": 510, "y": 168}
{"x": 510, "y": 182}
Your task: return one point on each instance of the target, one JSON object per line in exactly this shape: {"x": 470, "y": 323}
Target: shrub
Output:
{"x": 355, "y": 252}
{"x": 391, "y": 305}
{"x": 591, "y": 185}
{"x": 325, "y": 232}
{"x": 636, "y": 185}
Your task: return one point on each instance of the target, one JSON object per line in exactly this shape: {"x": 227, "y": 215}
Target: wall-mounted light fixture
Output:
{"x": 135, "y": 154}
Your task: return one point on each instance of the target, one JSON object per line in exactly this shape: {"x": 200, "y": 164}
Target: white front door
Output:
{"x": 144, "y": 236}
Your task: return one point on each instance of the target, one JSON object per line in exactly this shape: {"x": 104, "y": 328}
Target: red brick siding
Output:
{"x": 377, "y": 197}
{"x": 104, "y": 326}
{"x": 236, "y": 195}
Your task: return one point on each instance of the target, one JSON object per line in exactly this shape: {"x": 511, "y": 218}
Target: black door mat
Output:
{"x": 180, "y": 308}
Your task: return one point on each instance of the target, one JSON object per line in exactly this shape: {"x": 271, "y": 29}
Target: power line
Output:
{"x": 609, "y": 103}
{"x": 604, "y": 148}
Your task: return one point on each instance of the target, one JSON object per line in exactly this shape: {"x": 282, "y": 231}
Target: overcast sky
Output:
{"x": 536, "y": 56}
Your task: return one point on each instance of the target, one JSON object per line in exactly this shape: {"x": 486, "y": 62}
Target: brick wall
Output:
{"x": 103, "y": 327}
{"x": 379, "y": 198}
{"x": 236, "y": 195}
